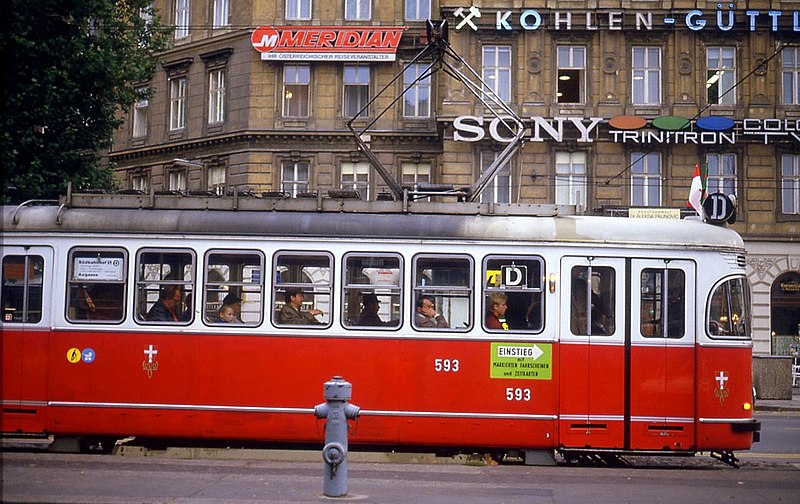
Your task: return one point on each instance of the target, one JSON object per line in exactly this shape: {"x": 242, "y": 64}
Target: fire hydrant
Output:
{"x": 336, "y": 410}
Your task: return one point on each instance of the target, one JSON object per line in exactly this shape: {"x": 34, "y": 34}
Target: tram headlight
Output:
{"x": 551, "y": 279}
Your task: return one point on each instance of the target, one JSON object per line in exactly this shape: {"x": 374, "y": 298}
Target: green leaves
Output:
{"x": 71, "y": 66}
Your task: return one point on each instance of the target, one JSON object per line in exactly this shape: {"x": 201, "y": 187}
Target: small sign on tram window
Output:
{"x": 98, "y": 269}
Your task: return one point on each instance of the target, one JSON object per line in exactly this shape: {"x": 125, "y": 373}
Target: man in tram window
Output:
{"x": 167, "y": 309}
{"x": 369, "y": 313}
{"x": 291, "y": 312}
{"x": 427, "y": 316}
{"x": 497, "y": 304}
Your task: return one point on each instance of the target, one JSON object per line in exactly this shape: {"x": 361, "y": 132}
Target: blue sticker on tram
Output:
{"x": 87, "y": 355}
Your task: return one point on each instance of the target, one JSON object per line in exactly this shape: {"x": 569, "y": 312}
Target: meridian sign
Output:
{"x": 327, "y": 43}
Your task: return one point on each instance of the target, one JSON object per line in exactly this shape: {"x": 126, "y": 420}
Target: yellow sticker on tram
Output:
{"x": 522, "y": 361}
{"x": 74, "y": 355}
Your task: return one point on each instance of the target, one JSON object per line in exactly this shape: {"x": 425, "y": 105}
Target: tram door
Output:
{"x": 592, "y": 353}
{"x": 662, "y": 354}
{"x": 26, "y": 277}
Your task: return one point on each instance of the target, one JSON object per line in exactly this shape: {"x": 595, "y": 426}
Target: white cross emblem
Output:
{"x": 150, "y": 352}
{"x": 721, "y": 379}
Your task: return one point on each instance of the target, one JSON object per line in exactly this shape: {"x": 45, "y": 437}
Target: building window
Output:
{"x": 721, "y": 75}
{"x": 216, "y": 96}
{"x": 647, "y": 75}
{"x": 571, "y": 178}
{"x": 296, "y": 90}
{"x": 141, "y": 182}
{"x": 721, "y": 173}
{"x": 355, "y": 176}
{"x": 182, "y": 8}
{"x": 140, "y": 114}
{"x": 791, "y": 75}
{"x": 177, "y": 103}
{"x": 357, "y": 10}
{"x": 221, "y": 13}
{"x": 790, "y": 183}
{"x": 418, "y": 10}
{"x": 499, "y": 189}
{"x": 571, "y": 74}
{"x": 177, "y": 180}
{"x": 356, "y": 88}
{"x": 417, "y": 100}
{"x": 298, "y": 9}
{"x": 216, "y": 179}
{"x": 645, "y": 179}
{"x": 294, "y": 177}
{"x": 497, "y": 71}
{"x": 414, "y": 174}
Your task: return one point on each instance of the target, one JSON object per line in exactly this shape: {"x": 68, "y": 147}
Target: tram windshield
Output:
{"x": 728, "y": 314}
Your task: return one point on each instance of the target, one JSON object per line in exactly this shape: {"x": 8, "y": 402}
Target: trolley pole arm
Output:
{"x": 438, "y": 48}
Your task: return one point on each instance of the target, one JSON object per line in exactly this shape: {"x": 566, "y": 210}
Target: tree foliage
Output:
{"x": 71, "y": 66}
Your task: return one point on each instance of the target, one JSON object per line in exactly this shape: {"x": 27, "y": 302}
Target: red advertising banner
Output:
{"x": 327, "y": 43}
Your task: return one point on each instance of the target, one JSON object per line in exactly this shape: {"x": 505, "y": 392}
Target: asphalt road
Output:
{"x": 114, "y": 479}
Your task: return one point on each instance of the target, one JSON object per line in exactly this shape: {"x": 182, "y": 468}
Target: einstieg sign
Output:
{"x": 327, "y": 43}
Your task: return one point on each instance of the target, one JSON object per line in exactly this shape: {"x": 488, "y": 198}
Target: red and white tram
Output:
{"x": 623, "y": 335}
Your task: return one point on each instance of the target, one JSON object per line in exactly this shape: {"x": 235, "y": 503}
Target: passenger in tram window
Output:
{"x": 369, "y": 313}
{"x": 291, "y": 313}
{"x": 227, "y": 314}
{"x": 167, "y": 307}
{"x": 496, "y": 314}
{"x": 427, "y": 316}
{"x": 86, "y": 305}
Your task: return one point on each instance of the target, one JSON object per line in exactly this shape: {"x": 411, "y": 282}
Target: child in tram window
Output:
{"x": 227, "y": 314}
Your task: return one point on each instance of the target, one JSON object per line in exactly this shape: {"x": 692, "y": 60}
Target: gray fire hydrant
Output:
{"x": 337, "y": 411}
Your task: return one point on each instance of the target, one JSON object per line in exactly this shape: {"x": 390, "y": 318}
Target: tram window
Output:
{"x": 302, "y": 291}
{"x": 729, "y": 312}
{"x": 22, "y": 288}
{"x": 519, "y": 280}
{"x": 593, "y": 301}
{"x": 96, "y": 289}
{"x": 165, "y": 286}
{"x": 372, "y": 291}
{"x": 659, "y": 310}
{"x": 443, "y": 286}
{"x": 234, "y": 279}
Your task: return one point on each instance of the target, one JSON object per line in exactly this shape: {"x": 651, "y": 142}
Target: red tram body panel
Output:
{"x": 614, "y": 343}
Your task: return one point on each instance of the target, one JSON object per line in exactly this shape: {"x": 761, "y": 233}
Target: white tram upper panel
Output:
{"x": 347, "y": 219}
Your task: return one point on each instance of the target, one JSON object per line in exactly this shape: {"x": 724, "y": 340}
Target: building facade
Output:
{"x": 621, "y": 99}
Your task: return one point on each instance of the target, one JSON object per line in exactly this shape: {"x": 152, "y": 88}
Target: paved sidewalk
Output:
{"x": 789, "y": 405}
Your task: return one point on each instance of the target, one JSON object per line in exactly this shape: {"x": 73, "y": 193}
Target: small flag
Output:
{"x": 696, "y": 192}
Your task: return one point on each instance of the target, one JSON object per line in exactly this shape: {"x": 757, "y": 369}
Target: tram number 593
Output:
{"x": 518, "y": 394}
{"x": 446, "y": 365}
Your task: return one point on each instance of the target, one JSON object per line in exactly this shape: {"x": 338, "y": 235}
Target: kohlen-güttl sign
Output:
{"x": 327, "y": 43}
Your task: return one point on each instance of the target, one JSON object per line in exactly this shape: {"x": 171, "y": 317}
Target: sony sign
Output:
{"x": 471, "y": 128}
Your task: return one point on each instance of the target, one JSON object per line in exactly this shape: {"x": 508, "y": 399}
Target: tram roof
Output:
{"x": 329, "y": 218}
